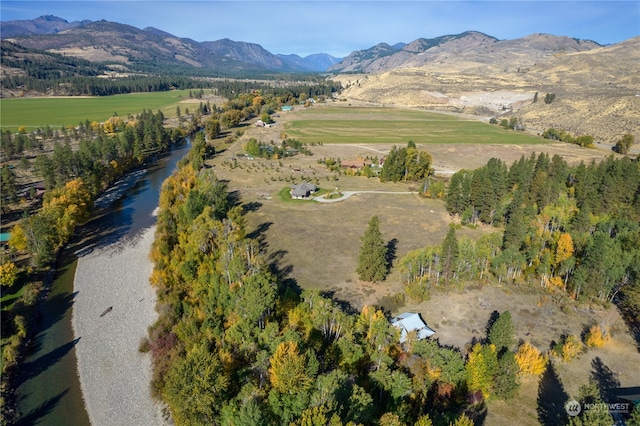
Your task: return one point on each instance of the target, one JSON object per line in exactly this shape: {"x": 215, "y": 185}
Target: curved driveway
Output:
{"x": 347, "y": 194}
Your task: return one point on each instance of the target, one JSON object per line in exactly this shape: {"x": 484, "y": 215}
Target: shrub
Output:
{"x": 596, "y": 337}
{"x": 571, "y": 348}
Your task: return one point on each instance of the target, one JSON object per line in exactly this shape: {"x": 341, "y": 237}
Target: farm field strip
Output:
{"x": 377, "y": 125}
{"x": 58, "y": 111}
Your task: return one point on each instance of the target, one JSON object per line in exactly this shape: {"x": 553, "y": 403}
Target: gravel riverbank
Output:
{"x": 113, "y": 306}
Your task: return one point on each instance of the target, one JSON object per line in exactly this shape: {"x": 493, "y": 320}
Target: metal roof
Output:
{"x": 409, "y": 321}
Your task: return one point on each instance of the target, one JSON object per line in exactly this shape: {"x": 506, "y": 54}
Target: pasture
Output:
{"x": 348, "y": 125}
{"x": 63, "y": 111}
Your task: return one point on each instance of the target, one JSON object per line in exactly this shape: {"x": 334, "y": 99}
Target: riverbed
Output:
{"x": 50, "y": 392}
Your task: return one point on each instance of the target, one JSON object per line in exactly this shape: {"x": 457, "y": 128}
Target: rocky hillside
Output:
{"x": 471, "y": 46}
{"x": 596, "y": 87}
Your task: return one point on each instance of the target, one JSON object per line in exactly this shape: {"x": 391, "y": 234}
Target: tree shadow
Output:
{"x": 251, "y": 207}
{"x": 56, "y": 307}
{"x": 551, "y": 398}
{"x": 234, "y": 197}
{"x": 258, "y": 234}
{"x": 477, "y": 413}
{"x": 630, "y": 318}
{"x": 36, "y": 367}
{"x": 392, "y": 248}
{"x": 492, "y": 320}
{"x": 42, "y": 410}
{"x": 605, "y": 378}
{"x": 344, "y": 305}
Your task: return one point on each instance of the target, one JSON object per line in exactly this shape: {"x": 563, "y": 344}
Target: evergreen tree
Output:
{"x": 634, "y": 420}
{"x": 502, "y": 332}
{"x": 8, "y": 187}
{"x": 456, "y": 200}
{"x": 394, "y": 165}
{"x": 372, "y": 263}
{"x": 506, "y": 380}
{"x": 450, "y": 252}
{"x": 594, "y": 412}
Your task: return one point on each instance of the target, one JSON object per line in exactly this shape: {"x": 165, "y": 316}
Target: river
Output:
{"x": 49, "y": 390}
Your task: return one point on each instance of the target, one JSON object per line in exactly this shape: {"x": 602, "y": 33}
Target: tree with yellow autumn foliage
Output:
{"x": 597, "y": 337}
{"x": 530, "y": 360}
{"x": 8, "y": 274}
{"x": 287, "y": 372}
{"x": 481, "y": 367}
{"x": 571, "y": 348}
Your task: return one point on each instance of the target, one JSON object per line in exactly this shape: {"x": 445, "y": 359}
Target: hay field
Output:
{"x": 344, "y": 124}
{"x": 63, "y": 111}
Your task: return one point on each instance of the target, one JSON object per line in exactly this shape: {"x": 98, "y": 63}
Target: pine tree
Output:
{"x": 372, "y": 263}
{"x": 594, "y": 412}
{"x": 449, "y": 255}
{"x": 456, "y": 200}
{"x": 502, "y": 332}
{"x": 506, "y": 380}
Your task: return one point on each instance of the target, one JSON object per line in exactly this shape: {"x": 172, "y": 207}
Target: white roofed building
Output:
{"x": 410, "y": 321}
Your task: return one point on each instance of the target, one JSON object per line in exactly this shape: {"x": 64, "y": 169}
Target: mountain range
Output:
{"x": 596, "y": 87}
{"x": 103, "y": 41}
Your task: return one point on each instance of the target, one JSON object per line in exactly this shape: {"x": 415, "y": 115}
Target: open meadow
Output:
{"x": 317, "y": 244}
{"x": 344, "y": 124}
{"x": 63, "y": 111}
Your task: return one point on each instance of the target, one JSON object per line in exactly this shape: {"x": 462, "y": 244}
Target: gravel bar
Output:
{"x": 114, "y": 305}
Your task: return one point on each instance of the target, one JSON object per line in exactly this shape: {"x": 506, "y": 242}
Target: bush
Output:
{"x": 596, "y": 337}
{"x": 571, "y": 348}
{"x": 417, "y": 291}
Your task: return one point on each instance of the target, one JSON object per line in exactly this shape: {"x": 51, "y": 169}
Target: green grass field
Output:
{"x": 56, "y": 112}
{"x": 384, "y": 125}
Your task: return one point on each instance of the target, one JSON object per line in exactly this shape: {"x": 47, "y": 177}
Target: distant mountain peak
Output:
{"x": 52, "y": 18}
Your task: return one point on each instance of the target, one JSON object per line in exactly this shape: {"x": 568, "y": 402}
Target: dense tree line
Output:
{"x": 89, "y": 169}
{"x": 575, "y": 229}
{"x": 94, "y": 86}
{"x": 287, "y": 92}
{"x": 73, "y": 179}
{"x": 234, "y": 344}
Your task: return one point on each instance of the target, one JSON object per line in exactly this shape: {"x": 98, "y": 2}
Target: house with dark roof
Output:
{"x": 411, "y": 321}
{"x": 303, "y": 190}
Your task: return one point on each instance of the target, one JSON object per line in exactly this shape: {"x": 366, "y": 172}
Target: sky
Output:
{"x": 341, "y": 27}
